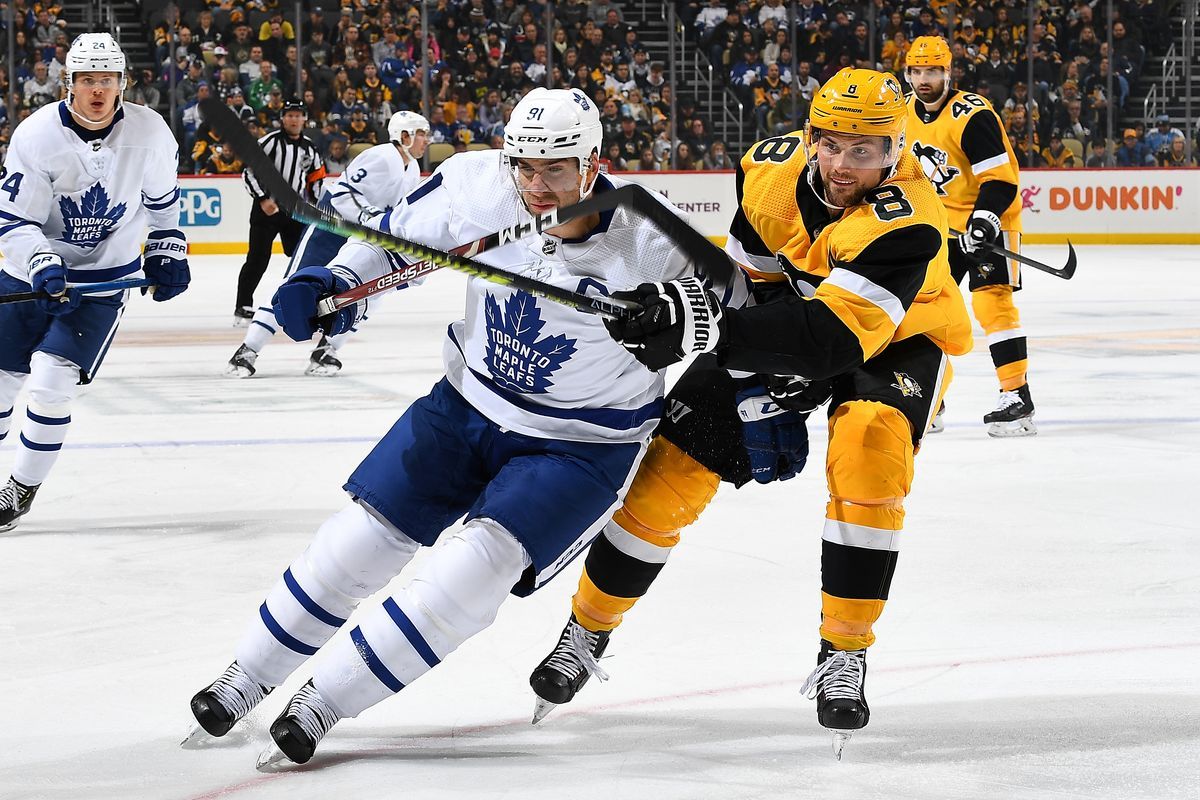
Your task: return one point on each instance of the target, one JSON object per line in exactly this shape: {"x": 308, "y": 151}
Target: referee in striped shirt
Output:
{"x": 300, "y": 164}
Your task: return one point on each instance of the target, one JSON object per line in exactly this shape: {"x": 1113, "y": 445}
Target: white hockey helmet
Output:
{"x": 554, "y": 123}
{"x": 94, "y": 52}
{"x": 406, "y": 122}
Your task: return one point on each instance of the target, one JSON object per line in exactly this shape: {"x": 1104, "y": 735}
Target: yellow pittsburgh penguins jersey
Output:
{"x": 865, "y": 277}
{"x": 961, "y": 147}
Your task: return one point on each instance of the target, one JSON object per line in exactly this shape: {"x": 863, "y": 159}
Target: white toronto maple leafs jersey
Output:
{"x": 529, "y": 364}
{"x": 88, "y": 196}
{"x": 376, "y": 179}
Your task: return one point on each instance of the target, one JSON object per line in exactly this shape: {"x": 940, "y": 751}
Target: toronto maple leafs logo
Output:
{"x": 517, "y": 359}
{"x": 89, "y": 222}
{"x": 933, "y": 164}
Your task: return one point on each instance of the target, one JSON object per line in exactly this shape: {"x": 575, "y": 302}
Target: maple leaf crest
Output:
{"x": 516, "y": 357}
{"x": 90, "y": 221}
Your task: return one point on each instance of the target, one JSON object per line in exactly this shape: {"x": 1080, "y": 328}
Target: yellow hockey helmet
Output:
{"x": 929, "y": 51}
{"x": 862, "y": 102}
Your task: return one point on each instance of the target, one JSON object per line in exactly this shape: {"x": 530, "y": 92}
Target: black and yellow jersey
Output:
{"x": 962, "y": 147}
{"x": 863, "y": 278}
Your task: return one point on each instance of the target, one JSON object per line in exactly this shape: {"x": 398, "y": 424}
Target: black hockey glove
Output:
{"x": 797, "y": 394}
{"x": 677, "y": 318}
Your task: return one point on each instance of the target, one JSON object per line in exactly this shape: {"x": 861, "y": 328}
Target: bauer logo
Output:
{"x": 199, "y": 207}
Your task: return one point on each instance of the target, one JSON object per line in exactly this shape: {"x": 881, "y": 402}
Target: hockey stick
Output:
{"x": 707, "y": 255}
{"x": 84, "y": 288}
{"x": 231, "y": 129}
{"x": 1065, "y": 271}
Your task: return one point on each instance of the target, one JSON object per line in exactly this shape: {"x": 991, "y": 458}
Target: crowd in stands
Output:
{"x": 356, "y": 62}
{"x": 750, "y": 46}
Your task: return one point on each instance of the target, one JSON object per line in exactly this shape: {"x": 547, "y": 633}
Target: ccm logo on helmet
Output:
{"x": 533, "y": 138}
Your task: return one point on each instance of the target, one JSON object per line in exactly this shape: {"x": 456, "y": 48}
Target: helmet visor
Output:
{"x": 543, "y": 175}
{"x": 852, "y": 151}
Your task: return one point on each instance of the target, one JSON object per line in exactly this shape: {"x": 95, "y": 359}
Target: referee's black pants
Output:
{"x": 263, "y": 230}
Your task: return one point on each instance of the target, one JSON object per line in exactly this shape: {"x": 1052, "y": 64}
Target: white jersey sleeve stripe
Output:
{"x": 851, "y": 535}
{"x": 989, "y": 163}
{"x": 871, "y": 292}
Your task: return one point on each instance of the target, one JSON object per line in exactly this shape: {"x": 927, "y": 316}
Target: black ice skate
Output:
{"x": 226, "y": 700}
{"x": 242, "y": 363}
{"x": 15, "y": 500}
{"x": 323, "y": 363}
{"x": 839, "y": 685}
{"x": 242, "y": 316}
{"x": 564, "y": 672}
{"x": 1013, "y": 415}
{"x": 299, "y": 729}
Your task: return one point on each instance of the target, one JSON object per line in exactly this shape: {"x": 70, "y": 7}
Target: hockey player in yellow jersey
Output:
{"x": 846, "y": 242}
{"x": 961, "y": 144}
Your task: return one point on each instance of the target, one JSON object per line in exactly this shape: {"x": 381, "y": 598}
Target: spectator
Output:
{"x": 1074, "y": 126}
{"x": 345, "y": 104}
{"x": 614, "y": 159}
{"x": 747, "y": 73}
{"x": 717, "y": 158}
{"x": 1100, "y": 157}
{"x": 41, "y": 88}
{"x": 630, "y": 140}
{"x": 684, "y": 159}
{"x": 261, "y": 87}
{"x": 1056, "y": 153}
{"x": 646, "y": 161}
{"x": 236, "y": 102}
{"x": 1133, "y": 152}
{"x": 359, "y": 130}
{"x": 773, "y": 10}
{"x": 143, "y": 89}
{"x": 1176, "y": 155}
{"x": 337, "y": 159}
{"x": 610, "y": 119}
{"x": 188, "y": 85}
{"x": 251, "y": 69}
{"x": 439, "y": 131}
{"x": 806, "y": 84}
{"x": 710, "y": 17}
{"x": 767, "y": 93}
{"x": 636, "y": 108}
{"x": 191, "y": 118}
{"x": 239, "y": 47}
{"x": 1159, "y": 140}
{"x": 205, "y": 31}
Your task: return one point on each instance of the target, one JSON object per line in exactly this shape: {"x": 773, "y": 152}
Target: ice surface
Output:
{"x": 1042, "y": 640}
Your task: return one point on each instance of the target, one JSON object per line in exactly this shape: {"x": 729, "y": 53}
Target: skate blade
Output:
{"x": 1010, "y": 430}
{"x": 839, "y": 741}
{"x": 237, "y": 372}
{"x": 272, "y": 759}
{"x": 542, "y": 708}
{"x": 322, "y": 371}
{"x": 937, "y": 426}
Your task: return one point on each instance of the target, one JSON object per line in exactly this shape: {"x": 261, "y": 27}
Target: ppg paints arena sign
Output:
{"x": 1113, "y": 206}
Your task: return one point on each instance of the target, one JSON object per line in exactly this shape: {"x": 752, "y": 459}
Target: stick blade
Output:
{"x": 1068, "y": 269}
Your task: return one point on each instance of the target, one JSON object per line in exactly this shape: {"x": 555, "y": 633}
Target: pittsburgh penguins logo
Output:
{"x": 907, "y": 386}
{"x": 933, "y": 164}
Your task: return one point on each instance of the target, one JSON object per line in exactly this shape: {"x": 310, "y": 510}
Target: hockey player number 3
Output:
{"x": 12, "y": 185}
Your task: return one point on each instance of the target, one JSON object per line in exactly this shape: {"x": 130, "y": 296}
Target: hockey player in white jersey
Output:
{"x": 373, "y": 183}
{"x": 83, "y": 180}
{"x": 532, "y": 436}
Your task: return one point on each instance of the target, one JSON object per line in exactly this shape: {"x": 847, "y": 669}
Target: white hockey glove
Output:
{"x": 983, "y": 228}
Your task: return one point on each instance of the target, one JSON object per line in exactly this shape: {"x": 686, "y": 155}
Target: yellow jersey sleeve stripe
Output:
{"x": 990, "y": 163}
{"x": 872, "y": 292}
